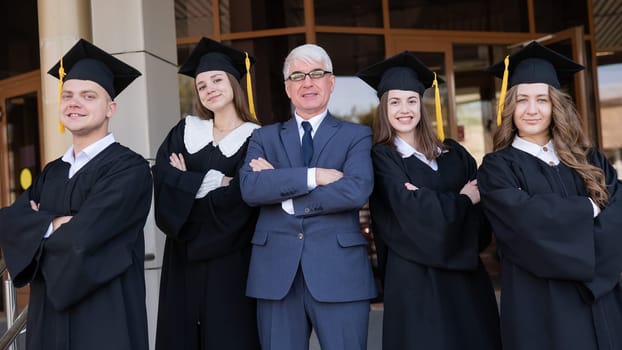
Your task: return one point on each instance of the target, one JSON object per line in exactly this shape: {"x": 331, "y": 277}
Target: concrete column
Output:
{"x": 61, "y": 24}
{"x": 142, "y": 33}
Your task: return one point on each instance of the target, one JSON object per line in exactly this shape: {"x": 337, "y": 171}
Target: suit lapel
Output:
{"x": 325, "y": 132}
{"x": 291, "y": 142}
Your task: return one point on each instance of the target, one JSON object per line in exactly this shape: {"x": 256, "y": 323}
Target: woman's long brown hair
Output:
{"x": 426, "y": 139}
{"x": 571, "y": 144}
{"x": 239, "y": 101}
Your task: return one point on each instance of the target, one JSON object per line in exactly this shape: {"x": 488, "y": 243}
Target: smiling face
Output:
{"x": 214, "y": 89}
{"x": 309, "y": 96}
{"x": 404, "y": 112}
{"x": 532, "y": 115}
{"x": 86, "y": 109}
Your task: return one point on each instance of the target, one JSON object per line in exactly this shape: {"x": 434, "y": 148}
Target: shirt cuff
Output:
{"x": 49, "y": 232}
{"x": 311, "y": 179}
{"x": 595, "y": 207}
{"x": 288, "y": 206}
{"x": 211, "y": 181}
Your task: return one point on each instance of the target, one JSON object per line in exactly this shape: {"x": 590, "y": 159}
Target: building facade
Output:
{"x": 457, "y": 39}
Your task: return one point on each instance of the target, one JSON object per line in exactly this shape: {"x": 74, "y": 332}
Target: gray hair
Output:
{"x": 309, "y": 53}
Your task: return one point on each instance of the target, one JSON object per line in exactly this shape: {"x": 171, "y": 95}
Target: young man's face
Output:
{"x": 86, "y": 108}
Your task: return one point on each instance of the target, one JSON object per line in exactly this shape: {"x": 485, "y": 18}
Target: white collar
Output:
{"x": 91, "y": 150}
{"x": 315, "y": 121}
{"x": 198, "y": 133}
{"x": 546, "y": 153}
{"x": 406, "y": 150}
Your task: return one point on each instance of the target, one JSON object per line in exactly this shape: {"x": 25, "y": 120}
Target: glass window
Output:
{"x": 362, "y": 13}
{"x": 554, "y": 15}
{"x": 193, "y": 18}
{"x": 352, "y": 99}
{"x": 610, "y": 92}
{"x": 271, "y": 102}
{"x": 19, "y": 38}
{"x": 249, "y": 15}
{"x": 502, "y": 16}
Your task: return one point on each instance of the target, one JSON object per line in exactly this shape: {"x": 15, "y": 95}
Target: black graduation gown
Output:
{"x": 87, "y": 288}
{"x": 202, "y": 291}
{"x": 437, "y": 293}
{"x": 560, "y": 266}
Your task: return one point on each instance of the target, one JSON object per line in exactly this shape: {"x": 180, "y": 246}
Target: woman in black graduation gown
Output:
{"x": 554, "y": 205}
{"x": 428, "y": 224}
{"x": 198, "y": 206}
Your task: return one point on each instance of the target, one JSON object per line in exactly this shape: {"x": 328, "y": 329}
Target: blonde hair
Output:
{"x": 570, "y": 141}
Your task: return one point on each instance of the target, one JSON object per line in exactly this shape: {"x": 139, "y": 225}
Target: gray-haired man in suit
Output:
{"x": 310, "y": 175}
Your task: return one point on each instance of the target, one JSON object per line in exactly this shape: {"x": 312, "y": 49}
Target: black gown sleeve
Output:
{"x": 545, "y": 234}
{"x": 434, "y": 228}
{"x": 222, "y": 223}
{"x": 99, "y": 243}
{"x": 21, "y": 233}
{"x": 607, "y": 237}
{"x": 174, "y": 190}
{"x": 212, "y": 226}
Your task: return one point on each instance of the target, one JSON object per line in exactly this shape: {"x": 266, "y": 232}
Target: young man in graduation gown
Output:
{"x": 310, "y": 175}
{"x": 76, "y": 236}
{"x": 555, "y": 205}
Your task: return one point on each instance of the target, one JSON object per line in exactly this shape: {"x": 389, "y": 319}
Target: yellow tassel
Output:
{"x": 249, "y": 87}
{"x": 504, "y": 88}
{"x": 439, "y": 114}
{"x": 61, "y": 76}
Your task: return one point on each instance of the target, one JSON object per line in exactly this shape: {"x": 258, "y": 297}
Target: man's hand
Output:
{"x": 259, "y": 164}
{"x": 177, "y": 161}
{"x": 324, "y": 177}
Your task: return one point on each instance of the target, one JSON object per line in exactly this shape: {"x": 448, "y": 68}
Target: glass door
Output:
{"x": 20, "y": 137}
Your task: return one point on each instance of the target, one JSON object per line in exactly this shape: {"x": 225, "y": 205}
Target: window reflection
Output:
{"x": 507, "y": 16}
{"x": 610, "y": 91}
{"x": 193, "y": 18}
{"x": 555, "y": 15}
{"x": 248, "y": 15}
{"x": 271, "y": 102}
{"x": 361, "y": 13}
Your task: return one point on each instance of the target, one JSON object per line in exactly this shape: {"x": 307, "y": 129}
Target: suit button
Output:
{"x": 300, "y": 235}
{"x": 307, "y": 210}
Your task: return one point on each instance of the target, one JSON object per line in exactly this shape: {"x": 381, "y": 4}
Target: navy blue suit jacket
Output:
{"x": 323, "y": 236}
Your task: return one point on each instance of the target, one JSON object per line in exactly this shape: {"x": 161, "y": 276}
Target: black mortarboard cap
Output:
{"x": 212, "y": 55}
{"x": 403, "y": 71}
{"x": 536, "y": 64}
{"x": 86, "y": 61}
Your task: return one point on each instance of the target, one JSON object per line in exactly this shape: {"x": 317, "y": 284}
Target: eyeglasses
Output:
{"x": 314, "y": 74}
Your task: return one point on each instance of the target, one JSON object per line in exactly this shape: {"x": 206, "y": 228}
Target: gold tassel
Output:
{"x": 439, "y": 115}
{"x": 61, "y": 76}
{"x": 504, "y": 88}
{"x": 249, "y": 87}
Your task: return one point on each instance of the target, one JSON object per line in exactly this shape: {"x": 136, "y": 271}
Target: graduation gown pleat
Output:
{"x": 437, "y": 294}
{"x": 87, "y": 288}
{"x": 560, "y": 265}
{"x": 202, "y": 303}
